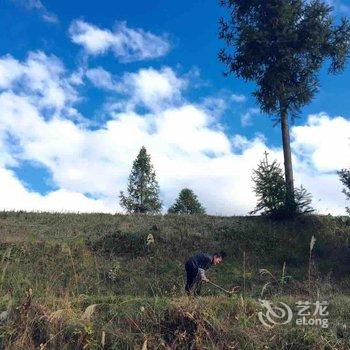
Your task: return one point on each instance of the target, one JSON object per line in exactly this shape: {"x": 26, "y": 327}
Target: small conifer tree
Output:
{"x": 143, "y": 188}
{"x": 187, "y": 203}
{"x": 271, "y": 190}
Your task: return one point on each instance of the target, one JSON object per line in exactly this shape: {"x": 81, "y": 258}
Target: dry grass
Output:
{"x": 95, "y": 282}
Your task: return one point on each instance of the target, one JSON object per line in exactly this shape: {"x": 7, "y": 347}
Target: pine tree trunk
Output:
{"x": 287, "y": 153}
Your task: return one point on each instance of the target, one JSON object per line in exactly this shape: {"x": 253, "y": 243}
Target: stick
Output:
{"x": 217, "y": 286}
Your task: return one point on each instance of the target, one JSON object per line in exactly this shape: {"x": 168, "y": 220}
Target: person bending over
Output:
{"x": 195, "y": 268}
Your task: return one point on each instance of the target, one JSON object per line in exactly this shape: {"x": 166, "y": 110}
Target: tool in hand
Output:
{"x": 230, "y": 292}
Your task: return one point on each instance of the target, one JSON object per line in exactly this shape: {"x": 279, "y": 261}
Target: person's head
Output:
{"x": 218, "y": 257}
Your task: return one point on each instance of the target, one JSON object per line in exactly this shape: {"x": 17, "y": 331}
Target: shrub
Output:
{"x": 187, "y": 203}
{"x": 271, "y": 190}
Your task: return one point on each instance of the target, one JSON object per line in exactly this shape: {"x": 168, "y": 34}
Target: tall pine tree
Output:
{"x": 143, "y": 188}
{"x": 187, "y": 203}
{"x": 281, "y": 46}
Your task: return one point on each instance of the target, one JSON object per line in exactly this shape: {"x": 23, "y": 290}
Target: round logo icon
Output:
{"x": 274, "y": 314}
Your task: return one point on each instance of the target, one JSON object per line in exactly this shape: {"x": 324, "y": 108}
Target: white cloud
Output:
{"x": 148, "y": 88}
{"x": 323, "y": 142}
{"x": 126, "y": 43}
{"x": 154, "y": 89}
{"x": 215, "y": 106}
{"x": 246, "y": 118}
{"x": 14, "y": 196}
{"x": 101, "y": 78}
{"x": 325, "y": 189}
{"x": 37, "y": 5}
{"x": 239, "y": 98}
{"x": 40, "y": 77}
{"x": 188, "y": 146}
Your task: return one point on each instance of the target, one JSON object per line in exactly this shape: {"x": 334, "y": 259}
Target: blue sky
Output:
{"x": 176, "y": 52}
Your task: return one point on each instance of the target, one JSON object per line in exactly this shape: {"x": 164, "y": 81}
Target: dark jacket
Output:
{"x": 201, "y": 261}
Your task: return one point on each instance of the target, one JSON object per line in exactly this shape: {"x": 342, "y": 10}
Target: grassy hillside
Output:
{"x": 90, "y": 281}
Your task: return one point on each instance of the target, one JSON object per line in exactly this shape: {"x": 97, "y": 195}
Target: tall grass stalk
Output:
{"x": 312, "y": 244}
{"x": 283, "y": 276}
{"x": 74, "y": 270}
{"x": 103, "y": 339}
{"x": 244, "y": 273}
{"x": 6, "y": 260}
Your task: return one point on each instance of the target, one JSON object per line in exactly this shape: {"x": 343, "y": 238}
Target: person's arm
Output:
{"x": 202, "y": 275}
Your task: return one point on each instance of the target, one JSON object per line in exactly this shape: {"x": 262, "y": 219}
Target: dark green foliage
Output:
{"x": 143, "y": 188}
{"x": 118, "y": 242}
{"x": 271, "y": 191}
{"x": 281, "y": 45}
{"x": 187, "y": 203}
{"x": 269, "y": 187}
{"x": 344, "y": 176}
{"x": 303, "y": 201}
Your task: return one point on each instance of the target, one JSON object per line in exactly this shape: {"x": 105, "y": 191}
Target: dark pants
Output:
{"x": 193, "y": 279}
